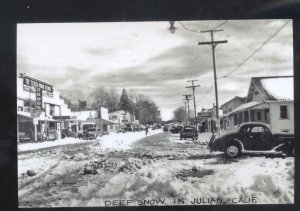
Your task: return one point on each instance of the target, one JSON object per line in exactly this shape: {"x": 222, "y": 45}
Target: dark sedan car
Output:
{"x": 253, "y": 138}
{"x": 189, "y": 132}
{"x": 176, "y": 129}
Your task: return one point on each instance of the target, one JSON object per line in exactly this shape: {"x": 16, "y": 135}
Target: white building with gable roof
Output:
{"x": 269, "y": 100}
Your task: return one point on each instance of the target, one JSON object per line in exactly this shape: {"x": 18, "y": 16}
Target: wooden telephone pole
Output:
{"x": 188, "y": 98}
{"x": 213, "y": 46}
{"x": 193, "y": 87}
{"x": 185, "y": 111}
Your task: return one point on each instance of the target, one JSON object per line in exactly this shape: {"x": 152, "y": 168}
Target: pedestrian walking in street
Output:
{"x": 147, "y": 128}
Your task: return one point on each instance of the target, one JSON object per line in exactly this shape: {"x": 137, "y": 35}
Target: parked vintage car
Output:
{"x": 136, "y": 128}
{"x": 254, "y": 138}
{"x": 166, "y": 128}
{"x": 189, "y": 132}
{"x": 67, "y": 133}
{"x": 91, "y": 133}
{"x": 176, "y": 129}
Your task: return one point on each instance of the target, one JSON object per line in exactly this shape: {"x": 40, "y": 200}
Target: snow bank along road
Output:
{"x": 155, "y": 170}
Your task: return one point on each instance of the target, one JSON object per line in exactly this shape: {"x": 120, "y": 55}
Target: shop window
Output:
{"x": 283, "y": 112}
{"x": 52, "y": 124}
{"x": 20, "y": 108}
{"x": 52, "y": 110}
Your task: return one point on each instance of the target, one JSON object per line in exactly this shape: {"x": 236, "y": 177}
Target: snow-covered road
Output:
{"x": 151, "y": 168}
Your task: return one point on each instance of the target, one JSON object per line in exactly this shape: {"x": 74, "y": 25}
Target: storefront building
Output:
{"x": 37, "y": 104}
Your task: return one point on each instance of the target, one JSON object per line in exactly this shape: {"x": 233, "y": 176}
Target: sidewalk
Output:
{"x": 110, "y": 141}
{"x": 28, "y": 147}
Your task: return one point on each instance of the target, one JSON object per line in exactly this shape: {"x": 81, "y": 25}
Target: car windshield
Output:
{"x": 188, "y": 129}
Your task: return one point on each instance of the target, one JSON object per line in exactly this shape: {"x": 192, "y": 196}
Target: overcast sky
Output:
{"x": 148, "y": 58}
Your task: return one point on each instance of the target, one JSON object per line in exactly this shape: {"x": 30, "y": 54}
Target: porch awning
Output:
{"x": 243, "y": 107}
{"x": 107, "y": 122}
{"x": 22, "y": 117}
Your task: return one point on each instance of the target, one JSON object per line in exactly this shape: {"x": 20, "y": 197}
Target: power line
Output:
{"x": 206, "y": 93}
{"x": 229, "y": 77}
{"x": 186, "y": 28}
{"x": 219, "y": 25}
{"x": 258, "y": 49}
{"x": 193, "y": 30}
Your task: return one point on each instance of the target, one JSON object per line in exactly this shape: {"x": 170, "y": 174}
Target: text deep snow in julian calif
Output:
{"x": 155, "y": 113}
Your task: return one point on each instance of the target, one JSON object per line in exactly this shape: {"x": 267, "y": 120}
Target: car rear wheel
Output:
{"x": 233, "y": 151}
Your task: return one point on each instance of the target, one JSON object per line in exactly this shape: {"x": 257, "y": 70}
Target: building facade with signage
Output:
{"x": 93, "y": 118}
{"x": 38, "y": 105}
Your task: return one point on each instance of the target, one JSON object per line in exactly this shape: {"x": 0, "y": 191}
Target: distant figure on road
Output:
{"x": 147, "y": 128}
{"x": 75, "y": 130}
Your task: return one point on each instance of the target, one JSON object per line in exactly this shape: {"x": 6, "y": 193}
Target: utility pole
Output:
{"x": 185, "y": 112}
{"x": 213, "y": 46}
{"x": 193, "y": 87}
{"x": 188, "y": 98}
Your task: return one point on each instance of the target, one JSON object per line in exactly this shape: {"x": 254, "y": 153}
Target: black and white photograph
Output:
{"x": 155, "y": 113}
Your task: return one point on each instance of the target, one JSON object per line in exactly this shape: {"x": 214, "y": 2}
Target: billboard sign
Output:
{"x": 30, "y": 83}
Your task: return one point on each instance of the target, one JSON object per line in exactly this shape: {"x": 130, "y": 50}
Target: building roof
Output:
{"x": 233, "y": 99}
{"x": 244, "y": 107}
{"x": 273, "y": 88}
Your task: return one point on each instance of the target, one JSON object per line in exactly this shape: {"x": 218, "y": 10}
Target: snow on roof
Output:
{"x": 279, "y": 88}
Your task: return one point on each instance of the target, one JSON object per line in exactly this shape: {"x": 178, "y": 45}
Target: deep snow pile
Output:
{"x": 157, "y": 167}
{"x": 267, "y": 180}
{"x": 123, "y": 141}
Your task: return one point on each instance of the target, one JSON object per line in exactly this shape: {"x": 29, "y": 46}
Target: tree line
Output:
{"x": 144, "y": 109}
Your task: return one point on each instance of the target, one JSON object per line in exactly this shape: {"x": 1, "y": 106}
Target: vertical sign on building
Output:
{"x": 39, "y": 100}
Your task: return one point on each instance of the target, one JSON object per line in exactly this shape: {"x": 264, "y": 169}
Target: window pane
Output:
{"x": 283, "y": 112}
{"x": 257, "y": 130}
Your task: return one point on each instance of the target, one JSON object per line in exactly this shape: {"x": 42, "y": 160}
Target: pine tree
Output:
{"x": 125, "y": 103}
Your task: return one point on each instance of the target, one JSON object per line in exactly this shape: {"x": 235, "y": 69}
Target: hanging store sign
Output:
{"x": 39, "y": 99}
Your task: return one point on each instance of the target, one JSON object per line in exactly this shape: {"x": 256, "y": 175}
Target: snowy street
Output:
{"x": 158, "y": 169}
